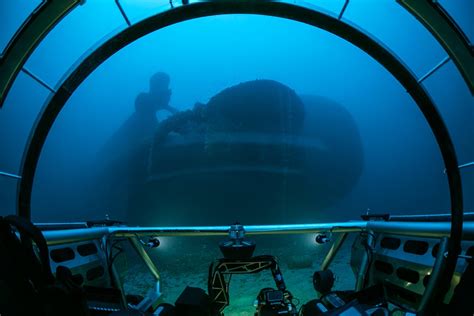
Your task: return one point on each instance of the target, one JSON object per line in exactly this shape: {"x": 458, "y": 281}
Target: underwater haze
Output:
{"x": 376, "y": 152}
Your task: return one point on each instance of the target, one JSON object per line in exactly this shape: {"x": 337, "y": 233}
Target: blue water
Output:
{"x": 402, "y": 168}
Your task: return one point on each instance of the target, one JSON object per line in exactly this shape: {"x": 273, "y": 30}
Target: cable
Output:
{"x": 110, "y": 256}
{"x": 365, "y": 232}
{"x": 370, "y": 257}
{"x": 120, "y": 251}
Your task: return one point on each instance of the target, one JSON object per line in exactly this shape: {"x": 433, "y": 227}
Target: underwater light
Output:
{"x": 153, "y": 242}
{"x": 322, "y": 238}
{"x": 236, "y": 246}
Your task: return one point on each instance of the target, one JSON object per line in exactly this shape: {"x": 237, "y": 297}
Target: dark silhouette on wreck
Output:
{"x": 257, "y": 152}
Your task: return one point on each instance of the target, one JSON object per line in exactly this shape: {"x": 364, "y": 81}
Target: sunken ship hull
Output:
{"x": 255, "y": 153}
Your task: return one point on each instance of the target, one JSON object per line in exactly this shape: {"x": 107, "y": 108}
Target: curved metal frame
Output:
{"x": 49, "y": 13}
{"x": 270, "y": 8}
{"x": 433, "y": 16}
{"x": 27, "y": 38}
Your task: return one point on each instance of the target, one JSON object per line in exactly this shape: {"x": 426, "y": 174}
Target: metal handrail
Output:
{"x": 419, "y": 229}
{"x": 54, "y": 237}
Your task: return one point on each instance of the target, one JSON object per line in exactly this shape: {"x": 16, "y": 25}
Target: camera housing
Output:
{"x": 236, "y": 247}
{"x": 274, "y": 302}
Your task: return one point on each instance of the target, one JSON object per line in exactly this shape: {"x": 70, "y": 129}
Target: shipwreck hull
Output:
{"x": 267, "y": 159}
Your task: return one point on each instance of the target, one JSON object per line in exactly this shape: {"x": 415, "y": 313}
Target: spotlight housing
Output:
{"x": 153, "y": 242}
{"x": 322, "y": 238}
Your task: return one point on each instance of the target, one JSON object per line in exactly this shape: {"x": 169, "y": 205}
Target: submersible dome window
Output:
{"x": 279, "y": 9}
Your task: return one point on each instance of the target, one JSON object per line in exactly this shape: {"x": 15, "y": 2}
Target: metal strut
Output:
{"x": 10, "y": 175}
{"x": 344, "y": 7}
{"x": 333, "y": 251}
{"x": 469, "y": 164}
{"x": 122, "y": 12}
{"x": 465, "y": 165}
{"x": 38, "y": 79}
{"x": 434, "y": 69}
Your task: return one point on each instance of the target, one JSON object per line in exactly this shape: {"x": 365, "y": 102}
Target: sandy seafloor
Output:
{"x": 185, "y": 261}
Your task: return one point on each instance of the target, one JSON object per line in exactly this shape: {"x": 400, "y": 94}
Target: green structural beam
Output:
{"x": 27, "y": 38}
{"x": 432, "y": 15}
